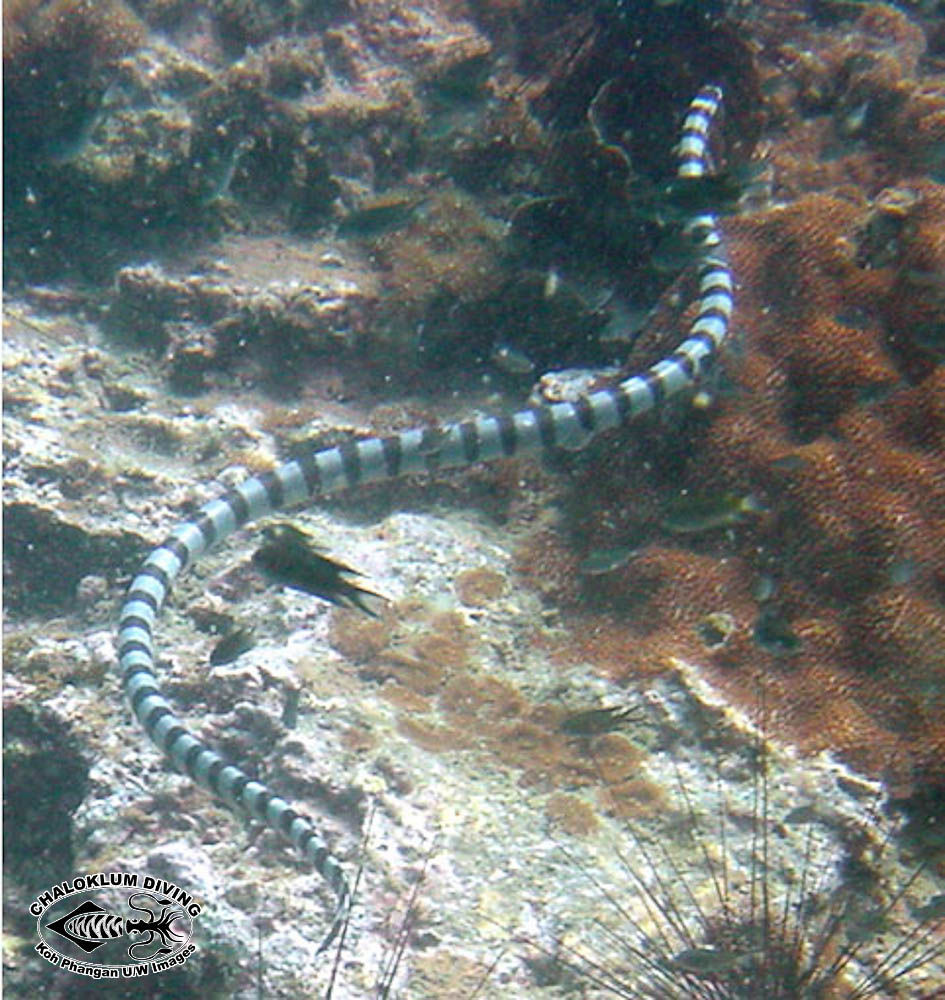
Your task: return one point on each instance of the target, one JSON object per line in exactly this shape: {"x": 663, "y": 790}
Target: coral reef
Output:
{"x": 240, "y": 228}
{"x": 829, "y": 412}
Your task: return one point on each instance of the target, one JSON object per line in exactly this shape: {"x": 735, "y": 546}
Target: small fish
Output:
{"x": 702, "y": 399}
{"x": 714, "y": 193}
{"x": 860, "y": 927}
{"x": 220, "y": 189}
{"x": 674, "y": 252}
{"x": 625, "y": 322}
{"x": 859, "y": 63}
{"x": 875, "y": 392}
{"x": 934, "y": 909}
{"x": 931, "y": 278}
{"x": 833, "y": 151}
{"x": 601, "y": 561}
{"x": 853, "y": 121}
{"x": 902, "y": 571}
{"x": 893, "y": 205}
{"x": 931, "y": 336}
{"x": 290, "y": 708}
{"x": 790, "y": 463}
{"x": 512, "y": 360}
{"x": 236, "y": 642}
{"x": 773, "y": 633}
{"x": 433, "y": 440}
{"x": 855, "y": 319}
{"x": 764, "y": 588}
{"x": 932, "y": 159}
{"x": 706, "y": 961}
{"x": 379, "y": 216}
{"x": 596, "y": 721}
{"x": 462, "y": 83}
{"x": 773, "y": 85}
{"x": 801, "y": 816}
{"x": 683, "y": 197}
{"x": 716, "y": 629}
{"x": 540, "y": 218}
{"x": 289, "y": 557}
{"x": 691, "y": 514}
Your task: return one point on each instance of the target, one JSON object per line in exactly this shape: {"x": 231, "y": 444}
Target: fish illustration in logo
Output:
{"x": 89, "y": 926}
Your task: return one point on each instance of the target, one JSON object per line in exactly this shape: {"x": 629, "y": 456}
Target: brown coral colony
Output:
{"x": 829, "y": 412}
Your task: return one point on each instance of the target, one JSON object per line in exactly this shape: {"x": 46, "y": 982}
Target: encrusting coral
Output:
{"x": 447, "y": 703}
{"x": 829, "y": 413}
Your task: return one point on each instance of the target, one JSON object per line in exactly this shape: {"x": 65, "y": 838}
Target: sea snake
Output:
{"x": 539, "y": 428}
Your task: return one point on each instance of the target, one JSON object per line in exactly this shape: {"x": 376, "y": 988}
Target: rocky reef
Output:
{"x": 240, "y": 228}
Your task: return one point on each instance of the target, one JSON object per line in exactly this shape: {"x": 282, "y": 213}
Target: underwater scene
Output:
{"x": 474, "y": 499}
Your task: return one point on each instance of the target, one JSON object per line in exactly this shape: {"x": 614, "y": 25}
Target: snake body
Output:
{"x": 535, "y": 429}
